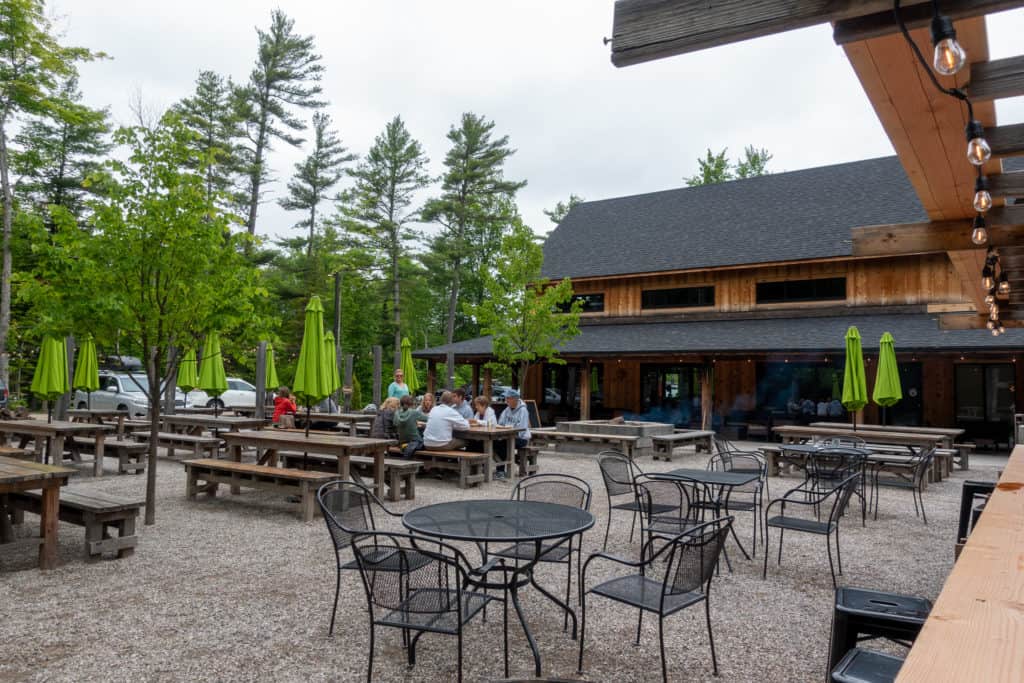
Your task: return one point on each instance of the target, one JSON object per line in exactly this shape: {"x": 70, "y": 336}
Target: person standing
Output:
{"x": 441, "y": 423}
{"x": 398, "y": 388}
{"x": 515, "y": 414}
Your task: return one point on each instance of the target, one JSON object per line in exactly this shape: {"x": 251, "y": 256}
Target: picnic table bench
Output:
{"x": 109, "y": 521}
{"x": 624, "y": 443}
{"x": 131, "y": 455}
{"x": 171, "y": 441}
{"x": 237, "y": 474}
{"x": 473, "y": 468}
{"x": 399, "y": 473}
{"x": 131, "y": 426}
{"x": 17, "y": 453}
{"x": 664, "y": 444}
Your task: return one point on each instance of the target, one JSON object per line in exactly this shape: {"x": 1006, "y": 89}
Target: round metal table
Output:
{"x": 505, "y": 521}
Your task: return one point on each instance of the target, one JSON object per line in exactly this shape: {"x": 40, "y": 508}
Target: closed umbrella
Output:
{"x": 408, "y": 369}
{"x": 331, "y": 363}
{"x": 188, "y": 373}
{"x": 50, "y": 380}
{"x": 311, "y": 378}
{"x": 271, "y": 383}
{"x": 212, "y": 378}
{"x": 87, "y": 372}
{"x": 888, "y": 391}
{"x": 855, "y": 391}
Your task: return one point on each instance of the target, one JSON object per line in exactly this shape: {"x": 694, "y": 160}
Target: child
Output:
{"x": 284, "y": 409}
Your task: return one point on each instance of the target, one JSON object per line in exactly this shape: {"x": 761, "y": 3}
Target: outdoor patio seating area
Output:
{"x": 243, "y": 586}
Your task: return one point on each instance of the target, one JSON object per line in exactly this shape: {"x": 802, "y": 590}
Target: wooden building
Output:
{"x": 738, "y": 296}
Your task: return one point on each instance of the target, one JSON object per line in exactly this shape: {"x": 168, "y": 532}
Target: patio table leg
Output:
{"x": 48, "y": 524}
{"x": 97, "y": 468}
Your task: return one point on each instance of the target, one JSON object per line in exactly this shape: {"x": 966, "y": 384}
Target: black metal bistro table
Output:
{"x": 505, "y": 521}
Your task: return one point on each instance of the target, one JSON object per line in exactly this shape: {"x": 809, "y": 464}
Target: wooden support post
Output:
{"x": 347, "y": 382}
{"x": 378, "y": 354}
{"x": 585, "y": 391}
{"x": 488, "y": 389}
{"x": 706, "y": 378}
{"x": 261, "y": 380}
{"x": 450, "y": 371}
{"x": 476, "y": 380}
{"x": 431, "y": 376}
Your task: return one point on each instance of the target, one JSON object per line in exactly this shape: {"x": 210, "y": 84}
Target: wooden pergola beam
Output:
{"x": 923, "y": 238}
{"x": 1006, "y": 141}
{"x": 882, "y": 22}
{"x": 997, "y": 79}
{"x": 1007, "y": 184}
{"x": 645, "y": 30}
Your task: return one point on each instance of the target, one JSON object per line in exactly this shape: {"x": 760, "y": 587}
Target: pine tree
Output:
{"x": 286, "y": 77}
{"x": 316, "y": 175}
{"x": 378, "y": 206}
{"x": 476, "y": 206}
{"x": 562, "y": 209}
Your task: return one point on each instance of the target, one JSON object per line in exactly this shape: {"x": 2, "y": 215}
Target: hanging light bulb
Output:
{"x": 982, "y": 197}
{"x": 978, "y": 151}
{"x": 1002, "y": 330}
{"x": 986, "y": 277}
{"x": 993, "y": 312}
{"x": 949, "y": 55}
{"x": 979, "y": 235}
{"x": 990, "y": 324}
{"x": 1004, "y": 283}
{"x": 995, "y": 332}
{"x": 990, "y": 298}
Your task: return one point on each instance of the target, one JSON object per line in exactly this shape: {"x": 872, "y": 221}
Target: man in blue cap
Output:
{"x": 515, "y": 415}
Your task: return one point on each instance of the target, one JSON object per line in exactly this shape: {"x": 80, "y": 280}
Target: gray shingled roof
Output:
{"x": 780, "y": 217}
{"x": 918, "y": 332}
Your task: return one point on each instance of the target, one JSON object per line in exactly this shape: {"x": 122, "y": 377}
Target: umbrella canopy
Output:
{"x": 188, "y": 374}
{"x": 887, "y": 390}
{"x": 311, "y": 381}
{"x": 408, "y": 369}
{"x": 212, "y": 379}
{"x": 855, "y": 391}
{"x": 87, "y": 373}
{"x": 272, "y": 383}
{"x": 331, "y": 363}
{"x": 50, "y": 380}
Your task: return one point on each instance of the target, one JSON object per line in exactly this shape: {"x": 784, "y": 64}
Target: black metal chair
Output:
{"x": 746, "y": 498}
{"x": 802, "y": 496}
{"x": 833, "y": 464}
{"x": 682, "y": 569}
{"x": 418, "y": 589}
{"x": 911, "y": 475}
{"x": 618, "y": 473}
{"x": 348, "y": 509}
{"x": 668, "y": 506}
{"x": 866, "y": 666}
{"x": 563, "y": 489}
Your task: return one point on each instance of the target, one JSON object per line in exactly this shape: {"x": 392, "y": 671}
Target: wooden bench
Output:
{"x": 527, "y": 457}
{"x": 17, "y": 453}
{"x": 666, "y": 443}
{"x": 399, "y": 473}
{"x": 472, "y": 467}
{"x": 131, "y": 455}
{"x": 215, "y": 472}
{"x": 626, "y": 444}
{"x": 102, "y": 515}
{"x": 170, "y": 441}
{"x": 131, "y": 426}
{"x": 963, "y": 456}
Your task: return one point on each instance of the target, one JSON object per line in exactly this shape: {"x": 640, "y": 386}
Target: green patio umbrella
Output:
{"x": 271, "y": 383}
{"x": 408, "y": 369}
{"x": 331, "y": 363}
{"x": 311, "y": 380}
{"x": 855, "y": 388}
{"x": 887, "y": 391}
{"x": 87, "y": 374}
{"x": 212, "y": 378}
{"x": 50, "y": 380}
{"x": 188, "y": 374}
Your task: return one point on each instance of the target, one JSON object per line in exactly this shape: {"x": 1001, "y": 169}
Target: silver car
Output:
{"x": 122, "y": 391}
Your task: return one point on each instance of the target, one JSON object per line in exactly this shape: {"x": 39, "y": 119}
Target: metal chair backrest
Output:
{"x": 663, "y": 497}
{"x": 563, "y": 489}
{"x": 843, "y": 492}
{"x": 348, "y": 509}
{"x": 691, "y": 564}
{"x": 832, "y": 464}
{"x": 924, "y": 462}
{"x": 618, "y": 473}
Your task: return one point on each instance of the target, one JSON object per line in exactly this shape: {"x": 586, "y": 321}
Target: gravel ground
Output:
{"x": 238, "y": 588}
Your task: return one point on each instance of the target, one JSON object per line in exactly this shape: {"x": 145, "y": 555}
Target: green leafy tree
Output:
{"x": 523, "y": 311}
{"x": 210, "y": 114}
{"x": 474, "y": 209}
{"x": 316, "y": 175}
{"x": 754, "y": 162}
{"x": 379, "y": 207}
{"x": 713, "y": 168}
{"x": 562, "y": 209}
{"x": 33, "y": 64}
{"x": 159, "y": 261}
{"x": 286, "y": 76}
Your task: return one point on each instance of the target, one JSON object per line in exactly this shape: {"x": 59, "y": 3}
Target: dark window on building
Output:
{"x": 681, "y": 297}
{"x": 824, "y": 289}
{"x": 592, "y": 303}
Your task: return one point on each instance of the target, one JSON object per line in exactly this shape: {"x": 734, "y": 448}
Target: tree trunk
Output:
{"x": 154, "y": 429}
{"x": 312, "y": 234}
{"x": 256, "y": 176}
{"x": 453, "y": 301}
{"x": 396, "y": 294}
{"x": 5, "y": 273}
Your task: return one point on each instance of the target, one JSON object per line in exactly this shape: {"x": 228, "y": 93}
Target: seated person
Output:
{"x": 284, "y": 409}
{"x": 406, "y": 422}
{"x": 426, "y": 403}
{"x": 835, "y": 408}
{"x": 515, "y": 414}
{"x": 483, "y": 413}
{"x": 461, "y": 405}
{"x": 384, "y": 423}
{"x": 441, "y": 422}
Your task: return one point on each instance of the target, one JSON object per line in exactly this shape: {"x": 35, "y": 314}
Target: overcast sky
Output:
{"x": 537, "y": 68}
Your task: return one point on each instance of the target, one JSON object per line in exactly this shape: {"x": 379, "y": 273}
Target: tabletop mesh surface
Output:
{"x": 715, "y": 477}
{"x": 498, "y": 520}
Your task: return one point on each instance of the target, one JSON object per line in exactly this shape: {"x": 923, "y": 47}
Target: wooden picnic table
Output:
{"x": 197, "y": 410}
{"x": 195, "y": 425}
{"x": 949, "y": 434}
{"x": 351, "y": 419}
{"x": 974, "y": 631}
{"x": 268, "y": 442}
{"x": 17, "y": 476}
{"x": 100, "y": 416}
{"x": 487, "y": 436}
{"x": 797, "y": 434}
{"x": 51, "y": 435}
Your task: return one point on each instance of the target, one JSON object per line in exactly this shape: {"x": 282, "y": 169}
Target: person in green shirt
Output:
{"x": 406, "y": 418}
{"x": 398, "y": 388}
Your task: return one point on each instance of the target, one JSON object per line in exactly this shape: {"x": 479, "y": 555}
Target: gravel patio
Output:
{"x": 238, "y": 588}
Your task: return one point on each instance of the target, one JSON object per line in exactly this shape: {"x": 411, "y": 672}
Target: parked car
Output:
{"x": 240, "y": 394}
{"x": 122, "y": 391}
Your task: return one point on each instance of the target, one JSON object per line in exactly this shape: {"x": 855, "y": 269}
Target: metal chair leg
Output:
{"x": 583, "y": 632}
{"x": 337, "y": 590}
{"x": 711, "y": 637}
{"x": 661, "y": 643}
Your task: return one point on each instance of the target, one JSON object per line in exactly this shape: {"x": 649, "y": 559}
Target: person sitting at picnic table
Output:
{"x": 515, "y": 414}
{"x": 483, "y": 413}
{"x": 441, "y": 422}
{"x": 461, "y": 405}
{"x": 426, "y": 403}
{"x": 835, "y": 408}
{"x": 384, "y": 423}
{"x": 398, "y": 388}
{"x": 407, "y": 419}
{"x": 284, "y": 407}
